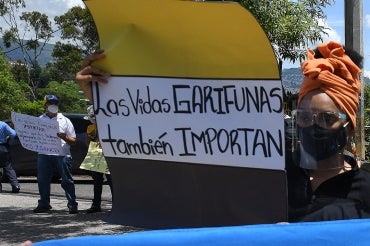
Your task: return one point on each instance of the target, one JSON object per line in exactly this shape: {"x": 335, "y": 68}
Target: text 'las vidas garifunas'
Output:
{"x": 222, "y": 122}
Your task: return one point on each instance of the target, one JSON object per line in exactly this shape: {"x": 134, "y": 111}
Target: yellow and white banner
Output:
{"x": 192, "y": 81}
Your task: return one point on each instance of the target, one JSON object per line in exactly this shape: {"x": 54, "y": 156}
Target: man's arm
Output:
{"x": 11, "y": 133}
{"x": 67, "y": 139}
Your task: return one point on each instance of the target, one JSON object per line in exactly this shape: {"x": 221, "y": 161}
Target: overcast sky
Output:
{"x": 52, "y": 7}
{"x": 334, "y": 13}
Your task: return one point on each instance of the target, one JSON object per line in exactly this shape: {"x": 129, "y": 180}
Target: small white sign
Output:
{"x": 218, "y": 122}
{"x": 36, "y": 134}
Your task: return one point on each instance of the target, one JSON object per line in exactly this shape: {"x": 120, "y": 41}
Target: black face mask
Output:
{"x": 322, "y": 143}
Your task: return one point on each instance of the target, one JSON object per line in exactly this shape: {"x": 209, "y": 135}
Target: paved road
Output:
{"x": 18, "y": 223}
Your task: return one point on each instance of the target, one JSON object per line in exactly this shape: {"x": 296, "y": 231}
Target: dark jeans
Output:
{"x": 8, "y": 171}
{"x": 98, "y": 179}
{"x": 45, "y": 167}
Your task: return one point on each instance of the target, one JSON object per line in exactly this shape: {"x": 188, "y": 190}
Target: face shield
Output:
{"x": 318, "y": 137}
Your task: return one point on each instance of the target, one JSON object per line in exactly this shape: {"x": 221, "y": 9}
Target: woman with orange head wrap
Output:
{"x": 334, "y": 187}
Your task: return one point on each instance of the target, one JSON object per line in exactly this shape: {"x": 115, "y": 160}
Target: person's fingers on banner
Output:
{"x": 90, "y": 73}
{"x": 99, "y": 54}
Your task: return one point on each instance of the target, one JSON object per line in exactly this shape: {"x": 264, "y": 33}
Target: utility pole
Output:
{"x": 353, "y": 16}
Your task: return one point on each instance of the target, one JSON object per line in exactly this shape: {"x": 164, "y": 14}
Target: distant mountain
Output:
{"x": 291, "y": 79}
{"x": 367, "y": 80}
{"x": 14, "y": 53}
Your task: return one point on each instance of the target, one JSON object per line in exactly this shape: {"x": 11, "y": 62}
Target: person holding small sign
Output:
{"x": 62, "y": 162}
{"x": 98, "y": 168}
{"x": 329, "y": 183}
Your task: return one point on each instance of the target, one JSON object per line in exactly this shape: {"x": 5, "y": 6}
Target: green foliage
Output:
{"x": 71, "y": 100}
{"x": 367, "y": 119}
{"x": 41, "y": 26}
{"x": 367, "y": 104}
{"x": 7, "y": 6}
{"x": 34, "y": 24}
{"x": 19, "y": 71}
{"x": 68, "y": 61}
{"x": 34, "y": 108}
{"x": 33, "y": 81}
{"x": 78, "y": 26}
{"x": 367, "y": 95}
{"x": 291, "y": 26}
{"x": 11, "y": 98}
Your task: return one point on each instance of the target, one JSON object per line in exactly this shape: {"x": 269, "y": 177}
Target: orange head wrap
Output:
{"x": 335, "y": 74}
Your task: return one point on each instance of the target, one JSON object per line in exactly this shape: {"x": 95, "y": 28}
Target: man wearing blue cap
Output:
{"x": 62, "y": 162}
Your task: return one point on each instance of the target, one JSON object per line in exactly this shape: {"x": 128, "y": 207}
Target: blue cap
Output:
{"x": 51, "y": 98}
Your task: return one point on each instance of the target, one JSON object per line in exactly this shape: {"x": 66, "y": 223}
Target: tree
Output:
{"x": 19, "y": 71}
{"x": 68, "y": 93}
{"x": 77, "y": 25}
{"x": 79, "y": 31}
{"x": 367, "y": 103}
{"x": 66, "y": 64}
{"x": 11, "y": 98}
{"x": 291, "y": 26}
{"x": 29, "y": 24}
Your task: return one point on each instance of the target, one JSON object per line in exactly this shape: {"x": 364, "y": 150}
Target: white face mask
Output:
{"x": 53, "y": 108}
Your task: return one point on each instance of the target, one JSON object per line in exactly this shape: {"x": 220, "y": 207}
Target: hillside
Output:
{"x": 292, "y": 78}
{"x": 15, "y": 54}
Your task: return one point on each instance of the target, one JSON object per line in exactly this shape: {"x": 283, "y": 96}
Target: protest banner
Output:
{"x": 184, "y": 120}
{"x": 191, "y": 121}
{"x": 36, "y": 134}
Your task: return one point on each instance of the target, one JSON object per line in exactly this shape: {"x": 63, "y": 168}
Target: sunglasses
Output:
{"x": 326, "y": 119}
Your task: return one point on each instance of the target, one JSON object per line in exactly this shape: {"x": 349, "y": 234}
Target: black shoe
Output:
{"x": 40, "y": 209}
{"x": 16, "y": 189}
{"x": 93, "y": 209}
{"x": 73, "y": 210}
